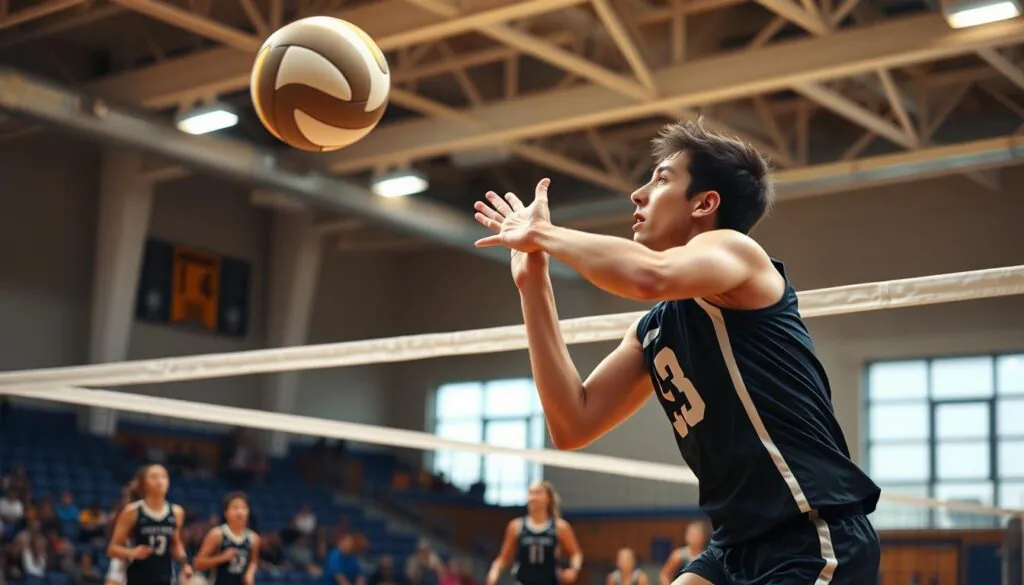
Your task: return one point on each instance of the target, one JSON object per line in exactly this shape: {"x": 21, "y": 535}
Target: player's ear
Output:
{"x": 706, "y": 203}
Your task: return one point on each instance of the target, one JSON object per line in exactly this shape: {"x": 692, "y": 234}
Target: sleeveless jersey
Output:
{"x": 535, "y": 557}
{"x": 231, "y": 572}
{"x": 751, "y": 411}
{"x": 634, "y": 577}
{"x": 154, "y": 529}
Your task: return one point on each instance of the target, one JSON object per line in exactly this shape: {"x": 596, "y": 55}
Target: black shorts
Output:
{"x": 843, "y": 551}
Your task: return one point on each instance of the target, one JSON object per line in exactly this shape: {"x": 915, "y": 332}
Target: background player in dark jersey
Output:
{"x": 724, "y": 350}
{"x": 626, "y": 572}
{"x": 532, "y": 542}
{"x": 147, "y": 534}
{"x": 231, "y": 550}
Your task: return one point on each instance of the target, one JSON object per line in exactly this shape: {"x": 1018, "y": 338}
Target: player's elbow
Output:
{"x": 569, "y": 440}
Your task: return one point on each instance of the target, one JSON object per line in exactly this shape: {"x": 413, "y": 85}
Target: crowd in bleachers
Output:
{"x": 61, "y": 489}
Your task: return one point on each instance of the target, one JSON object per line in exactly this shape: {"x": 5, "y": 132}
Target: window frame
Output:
{"x": 932, "y": 481}
{"x": 534, "y": 416}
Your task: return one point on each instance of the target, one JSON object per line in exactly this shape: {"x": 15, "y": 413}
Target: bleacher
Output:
{"x": 59, "y": 458}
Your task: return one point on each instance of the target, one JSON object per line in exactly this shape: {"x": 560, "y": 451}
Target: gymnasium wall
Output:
{"x": 48, "y": 216}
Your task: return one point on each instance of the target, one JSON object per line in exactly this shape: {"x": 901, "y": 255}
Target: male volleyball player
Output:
{"x": 726, "y": 352}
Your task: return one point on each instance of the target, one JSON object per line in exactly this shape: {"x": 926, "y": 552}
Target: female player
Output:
{"x": 696, "y": 540}
{"x": 147, "y": 533}
{"x": 231, "y": 549}
{"x": 116, "y": 569}
{"x": 531, "y": 542}
{"x": 626, "y": 572}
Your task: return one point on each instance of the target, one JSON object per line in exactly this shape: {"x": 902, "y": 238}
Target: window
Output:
{"x": 950, "y": 428}
{"x": 504, "y": 413}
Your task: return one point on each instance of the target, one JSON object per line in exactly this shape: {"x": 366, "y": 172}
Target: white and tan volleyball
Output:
{"x": 320, "y": 84}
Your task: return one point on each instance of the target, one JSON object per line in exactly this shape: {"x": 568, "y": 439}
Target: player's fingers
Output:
{"x": 498, "y": 203}
{"x": 542, "y": 189}
{"x": 494, "y": 240}
{"x": 485, "y": 209}
{"x": 494, "y": 226}
{"x": 513, "y": 201}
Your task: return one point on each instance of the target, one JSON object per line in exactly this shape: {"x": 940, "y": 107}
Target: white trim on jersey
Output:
{"x": 824, "y": 535}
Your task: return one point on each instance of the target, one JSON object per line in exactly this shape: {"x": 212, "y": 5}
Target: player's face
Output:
{"x": 664, "y": 216}
{"x": 626, "y": 560}
{"x": 695, "y": 534}
{"x": 157, "y": 480}
{"x": 537, "y": 498}
{"x": 237, "y": 511}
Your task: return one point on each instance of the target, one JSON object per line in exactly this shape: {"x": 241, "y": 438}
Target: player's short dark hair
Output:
{"x": 236, "y": 495}
{"x": 722, "y": 163}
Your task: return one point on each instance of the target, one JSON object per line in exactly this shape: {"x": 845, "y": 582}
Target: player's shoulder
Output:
{"x": 178, "y": 511}
{"x": 562, "y": 525}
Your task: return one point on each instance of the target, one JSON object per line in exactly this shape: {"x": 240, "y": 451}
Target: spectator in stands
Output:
{"x": 86, "y": 572}
{"x": 626, "y": 570}
{"x": 305, "y": 521}
{"x": 457, "y": 573}
{"x": 67, "y": 511}
{"x": 272, "y": 557}
{"x": 423, "y": 567}
{"x": 342, "y": 566}
{"x": 12, "y": 510}
{"x": 48, "y": 516}
{"x": 17, "y": 484}
{"x": 300, "y": 555}
{"x": 697, "y": 534}
{"x": 92, "y": 523}
{"x": 62, "y": 551}
{"x": 33, "y": 558}
{"x": 244, "y": 460}
{"x": 385, "y": 573}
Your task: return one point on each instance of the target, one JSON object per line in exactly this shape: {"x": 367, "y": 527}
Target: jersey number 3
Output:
{"x": 158, "y": 542}
{"x": 670, "y": 376}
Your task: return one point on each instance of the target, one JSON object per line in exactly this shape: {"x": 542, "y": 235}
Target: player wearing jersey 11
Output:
{"x": 231, "y": 551}
{"x": 532, "y": 542}
{"x": 725, "y": 353}
{"x": 147, "y": 534}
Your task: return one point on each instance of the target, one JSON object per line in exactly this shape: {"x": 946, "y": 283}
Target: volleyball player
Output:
{"x": 724, "y": 350}
{"x": 147, "y": 533}
{"x": 696, "y": 540}
{"x": 626, "y": 572}
{"x": 116, "y": 568}
{"x": 231, "y": 550}
{"x": 531, "y": 543}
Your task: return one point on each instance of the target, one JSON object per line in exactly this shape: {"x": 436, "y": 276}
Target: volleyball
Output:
{"x": 320, "y": 83}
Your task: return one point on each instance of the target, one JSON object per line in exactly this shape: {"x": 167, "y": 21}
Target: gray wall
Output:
{"x": 48, "y": 213}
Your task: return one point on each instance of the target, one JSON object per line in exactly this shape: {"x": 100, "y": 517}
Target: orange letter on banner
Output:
{"x": 195, "y": 287}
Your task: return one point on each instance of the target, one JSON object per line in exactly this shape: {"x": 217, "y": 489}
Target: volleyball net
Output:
{"x": 615, "y": 501}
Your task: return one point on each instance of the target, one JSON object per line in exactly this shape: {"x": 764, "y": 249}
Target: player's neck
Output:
{"x": 236, "y": 528}
{"x": 155, "y": 503}
{"x": 538, "y": 518}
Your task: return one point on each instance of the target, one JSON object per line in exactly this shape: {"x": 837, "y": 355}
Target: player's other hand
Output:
{"x": 186, "y": 571}
{"x": 249, "y": 578}
{"x": 140, "y": 552}
{"x": 514, "y": 226}
{"x": 568, "y": 576}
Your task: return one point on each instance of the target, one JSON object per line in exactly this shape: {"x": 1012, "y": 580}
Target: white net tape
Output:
{"x": 855, "y": 298}
{"x": 64, "y": 384}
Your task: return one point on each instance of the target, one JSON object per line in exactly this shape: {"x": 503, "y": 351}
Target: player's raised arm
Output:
{"x": 505, "y": 556}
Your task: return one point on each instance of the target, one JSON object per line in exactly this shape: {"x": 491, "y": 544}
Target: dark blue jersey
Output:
{"x": 155, "y": 529}
{"x": 752, "y": 414}
{"x": 231, "y": 572}
{"x": 535, "y": 554}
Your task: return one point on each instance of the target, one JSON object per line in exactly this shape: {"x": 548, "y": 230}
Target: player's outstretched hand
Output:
{"x": 514, "y": 225}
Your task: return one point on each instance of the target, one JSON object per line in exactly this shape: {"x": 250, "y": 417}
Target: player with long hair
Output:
{"x": 231, "y": 551}
{"x": 116, "y": 569}
{"x": 531, "y": 543}
{"x": 147, "y": 532}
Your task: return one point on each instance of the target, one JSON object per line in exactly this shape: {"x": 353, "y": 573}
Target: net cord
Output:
{"x": 910, "y": 292}
{"x": 317, "y": 427}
